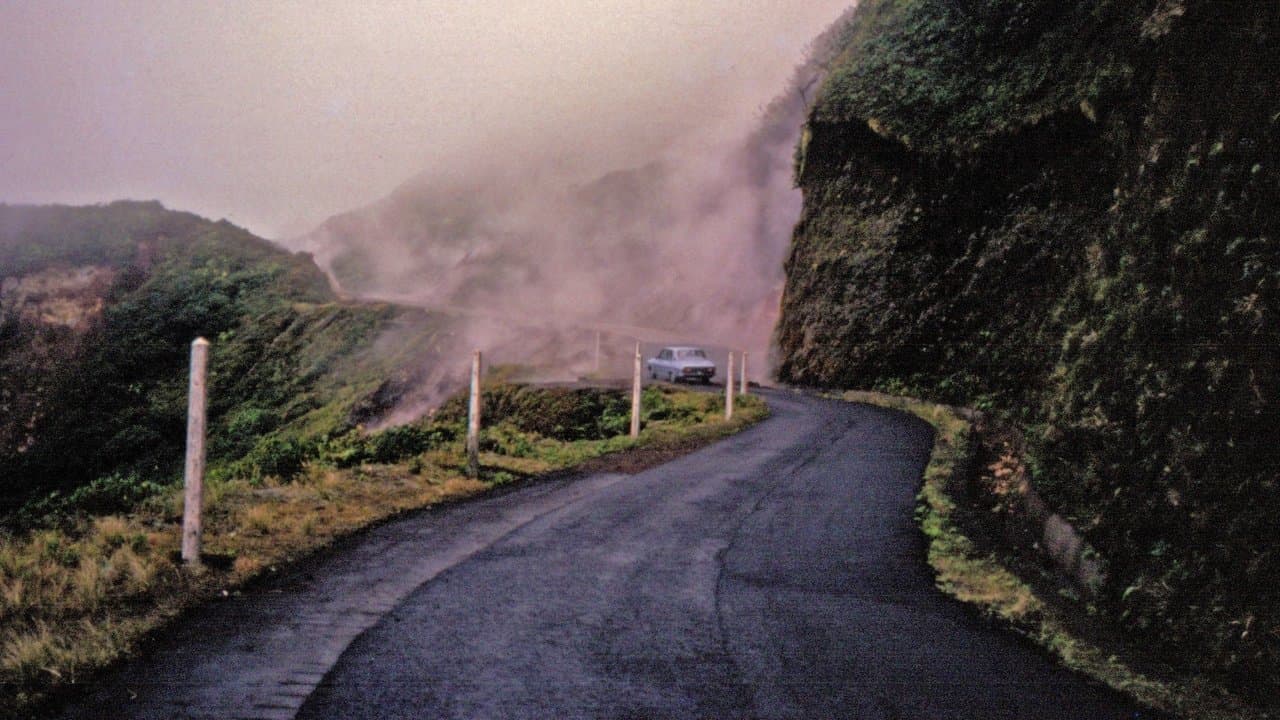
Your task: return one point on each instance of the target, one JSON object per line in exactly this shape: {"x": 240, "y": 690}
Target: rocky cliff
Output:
{"x": 1066, "y": 211}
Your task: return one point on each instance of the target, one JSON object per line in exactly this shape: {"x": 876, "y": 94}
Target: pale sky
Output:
{"x": 276, "y": 115}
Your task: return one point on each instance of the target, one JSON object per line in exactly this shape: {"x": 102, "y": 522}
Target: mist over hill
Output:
{"x": 100, "y": 303}
{"x": 691, "y": 244}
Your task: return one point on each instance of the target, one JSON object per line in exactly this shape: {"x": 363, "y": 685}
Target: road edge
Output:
{"x": 980, "y": 580}
{"x": 655, "y": 450}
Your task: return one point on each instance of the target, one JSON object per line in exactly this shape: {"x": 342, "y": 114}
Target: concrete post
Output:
{"x": 473, "y": 420}
{"x": 597, "y": 364}
{"x": 635, "y": 396}
{"x": 744, "y": 373}
{"x": 193, "y": 477}
{"x": 728, "y": 389}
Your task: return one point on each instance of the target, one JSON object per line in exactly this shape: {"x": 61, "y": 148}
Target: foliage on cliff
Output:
{"x": 1067, "y": 212}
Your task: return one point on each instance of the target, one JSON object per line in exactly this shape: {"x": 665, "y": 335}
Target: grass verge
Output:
{"x": 977, "y": 576}
{"x": 79, "y": 595}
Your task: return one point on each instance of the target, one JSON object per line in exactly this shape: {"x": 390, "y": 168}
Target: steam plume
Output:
{"x": 687, "y": 247}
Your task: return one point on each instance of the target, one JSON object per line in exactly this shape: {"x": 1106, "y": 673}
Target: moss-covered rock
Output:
{"x": 1067, "y": 211}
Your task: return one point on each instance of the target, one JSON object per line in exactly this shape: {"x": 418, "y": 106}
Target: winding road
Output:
{"x": 775, "y": 574}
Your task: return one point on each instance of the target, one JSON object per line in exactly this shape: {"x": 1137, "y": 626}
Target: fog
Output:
{"x": 277, "y": 115}
{"x": 540, "y": 171}
{"x": 534, "y": 261}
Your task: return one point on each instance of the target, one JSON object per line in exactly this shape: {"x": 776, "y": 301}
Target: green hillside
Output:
{"x": 1067, "y": 212}
{"x": 99, "y": 306}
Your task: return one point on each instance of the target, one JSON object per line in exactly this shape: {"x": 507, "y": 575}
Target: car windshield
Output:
{"x": 690, "y": 354}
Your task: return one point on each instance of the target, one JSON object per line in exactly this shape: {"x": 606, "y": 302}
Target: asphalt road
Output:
{"x": 775, "y": 574}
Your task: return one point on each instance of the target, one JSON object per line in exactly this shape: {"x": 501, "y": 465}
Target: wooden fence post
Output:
{"x": 728, "y": 390}
{"x": 473, "y": 420}
{"x": 597, "y": 363}
{"x": 744, "y": 373}
{"x": 193, "y": 477}
{"x": 635, "y": 396}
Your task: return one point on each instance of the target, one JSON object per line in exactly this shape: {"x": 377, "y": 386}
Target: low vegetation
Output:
{"x": 80, "y": 591}
{"x": 974, "y": 569}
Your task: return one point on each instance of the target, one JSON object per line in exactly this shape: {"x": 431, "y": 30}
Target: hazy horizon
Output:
{"x": 277, "y": 116}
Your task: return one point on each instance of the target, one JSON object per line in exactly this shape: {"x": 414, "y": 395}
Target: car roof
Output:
{"x": 683, "y": 347}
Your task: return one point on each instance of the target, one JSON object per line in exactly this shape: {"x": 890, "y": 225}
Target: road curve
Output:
{"x": 775, "y": 574}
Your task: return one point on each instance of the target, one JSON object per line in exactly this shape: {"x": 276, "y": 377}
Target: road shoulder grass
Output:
{"x": 78, "y": 596}
{"x": 976, "y": 575}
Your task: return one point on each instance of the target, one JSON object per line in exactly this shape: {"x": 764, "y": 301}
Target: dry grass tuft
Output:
{"x": 260, "y": 519}
{"x": 113, "y": 529}
{"x": 31, "y": 652}
{"x": 246, "y": 566}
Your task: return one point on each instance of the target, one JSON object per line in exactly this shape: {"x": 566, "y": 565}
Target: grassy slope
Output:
{"x": 1065, "y": 212}
{"x": 287, "y": 358}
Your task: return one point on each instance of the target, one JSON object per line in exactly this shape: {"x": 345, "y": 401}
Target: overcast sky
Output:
{"x": 277, "y": 115}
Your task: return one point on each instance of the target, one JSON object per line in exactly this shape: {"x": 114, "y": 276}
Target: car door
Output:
{"x": 662, "y": 363}
{"x": 658, "y": 364}
{"x": 673, "y": 365}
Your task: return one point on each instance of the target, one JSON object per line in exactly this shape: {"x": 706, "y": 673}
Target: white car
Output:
{"x": 682, "y": 363}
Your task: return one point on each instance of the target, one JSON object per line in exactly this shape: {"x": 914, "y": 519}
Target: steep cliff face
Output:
{"x": 1067, "y": 211}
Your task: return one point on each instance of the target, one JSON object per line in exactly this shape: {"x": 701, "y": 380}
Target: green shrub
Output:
{"x": 346, "y": 450}
{"x": 614, "y": 420}
{"x": 280, "y": 457}
{"x": 387, "y": 446}
{"x": 560, "y": 413}
{"x": 117, "y": 492}
{"x": 395, "y": 444}
{"x": 506, "y": 439}
{"x": 654, "y": 404}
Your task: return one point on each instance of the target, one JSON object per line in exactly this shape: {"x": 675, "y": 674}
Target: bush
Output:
{"x": 654, "y": 404}
{"x": 397, "y": 443}
{"x": 388, "y": 446}
{"x": 566, "y": 414}
{"x": 117, "y": 492}
{"x": 506, "y": 440}
{"x": 280, "y": 457}
{"x": 615, "y": 420}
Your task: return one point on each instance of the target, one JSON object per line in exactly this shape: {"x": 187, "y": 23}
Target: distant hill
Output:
{"x": 98, "y": 306}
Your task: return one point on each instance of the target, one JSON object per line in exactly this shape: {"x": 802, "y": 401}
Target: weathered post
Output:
{"x": 473, "y": 420}
{"x": 193, "y": 477}
{"x": 635, "y": 396}
{"x": 728, "y": 390}
{"x": 597, "y": 369}
{"x": 744, "y": 373}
